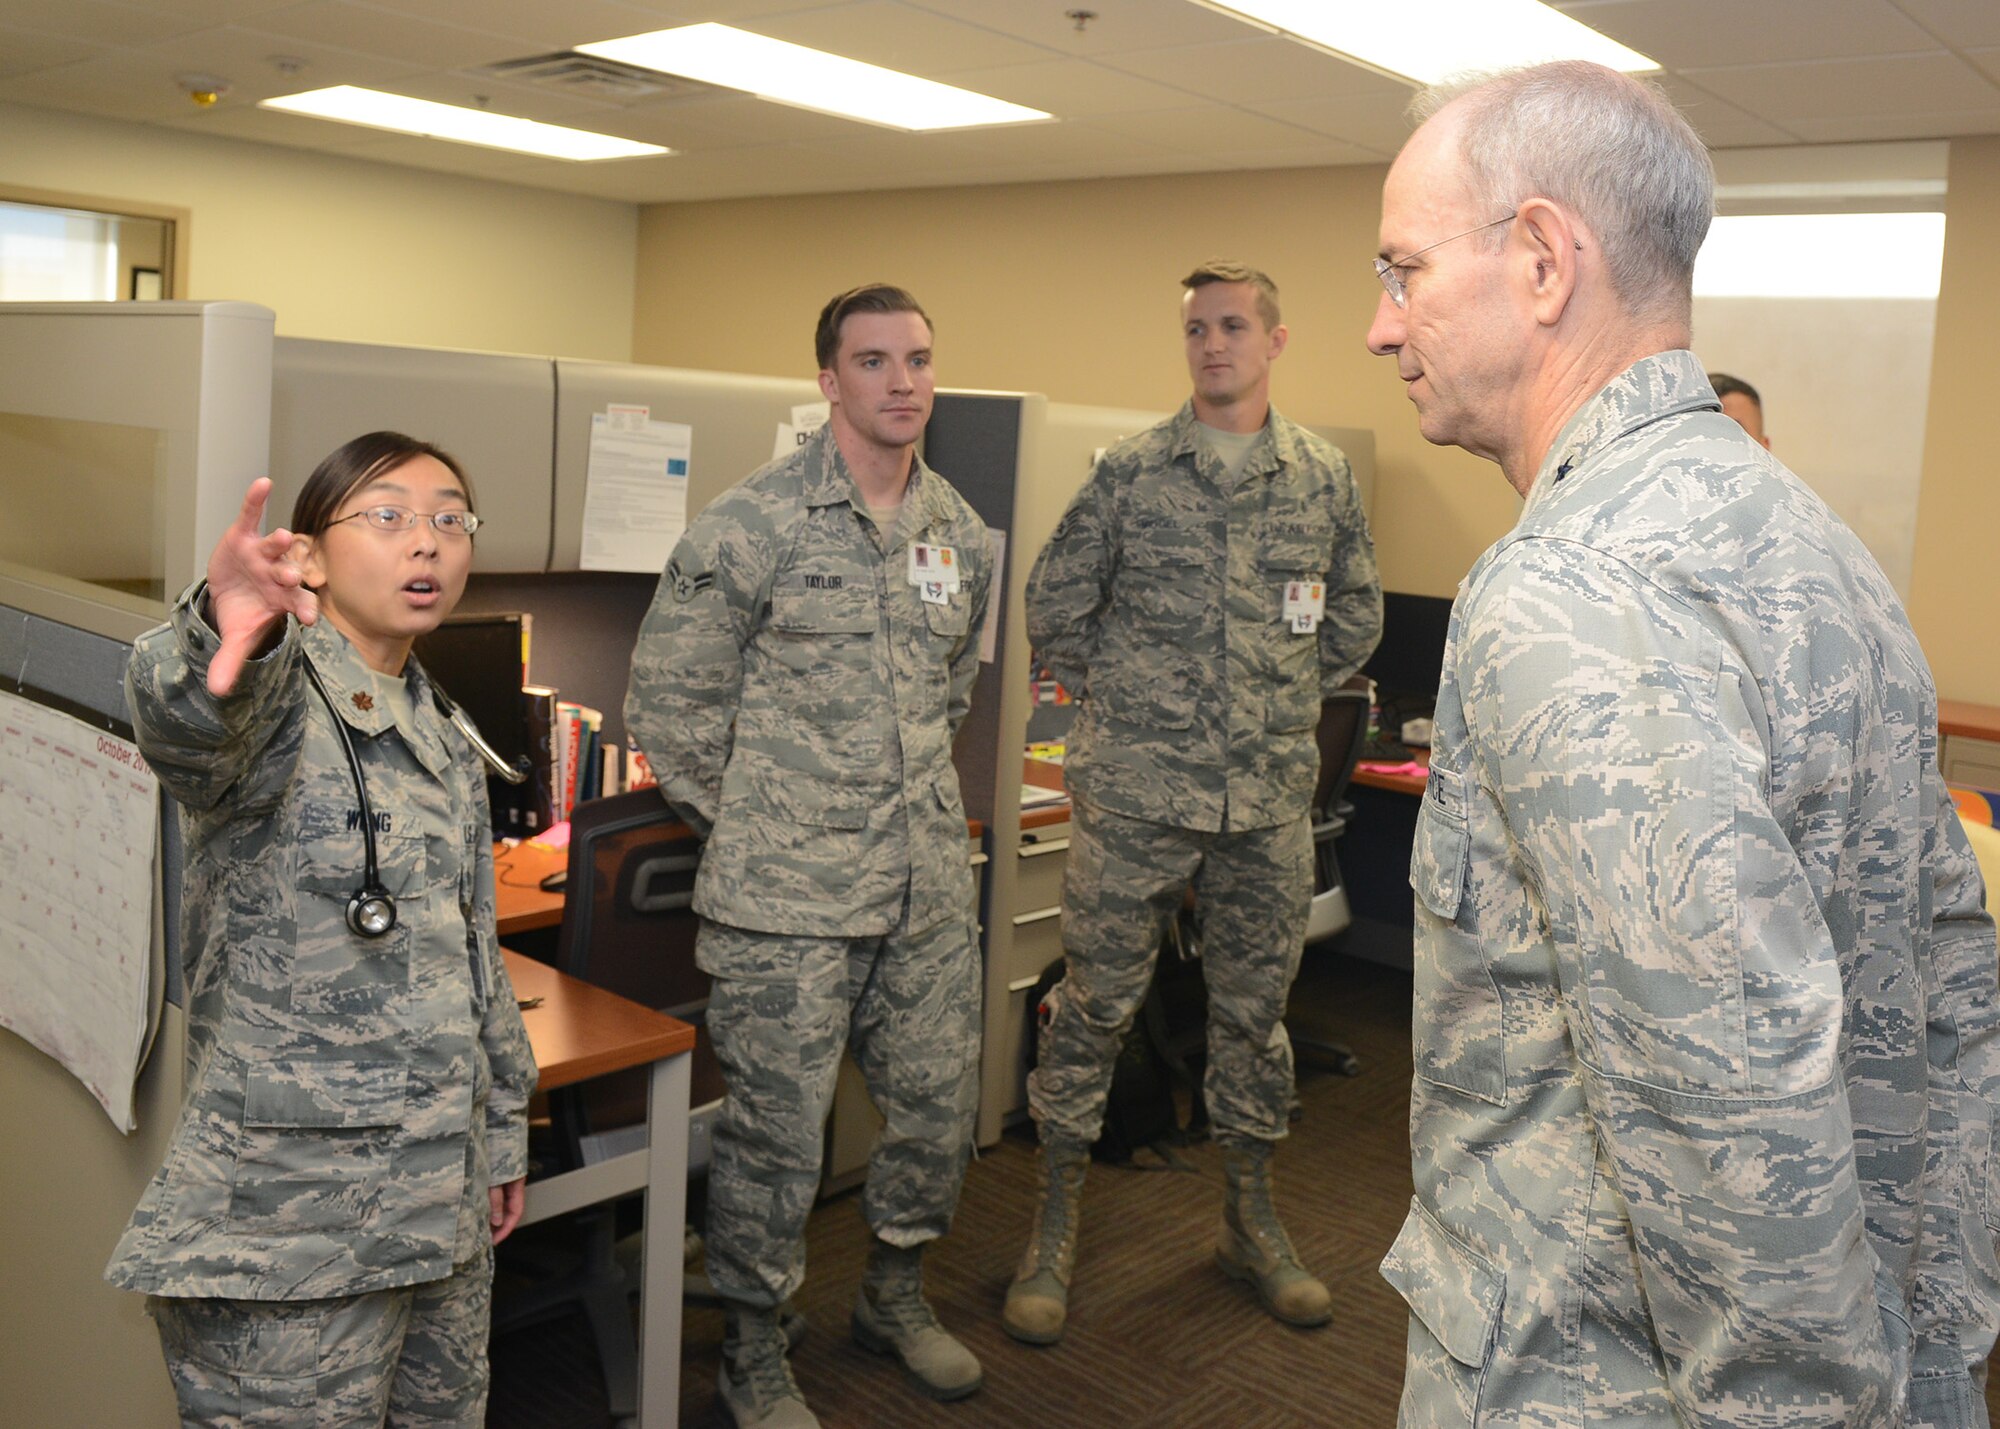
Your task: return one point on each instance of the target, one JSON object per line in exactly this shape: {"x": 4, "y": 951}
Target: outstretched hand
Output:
{"x": 253, "y": 584}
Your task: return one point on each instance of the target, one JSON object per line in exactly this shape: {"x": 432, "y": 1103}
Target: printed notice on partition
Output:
{"x": 635, "y": 490}
{"x": 78, "y": 813}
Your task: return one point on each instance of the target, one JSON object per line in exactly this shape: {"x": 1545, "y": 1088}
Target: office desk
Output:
{"x": 520, "y": 904}
{"x": 578, "y": 1032}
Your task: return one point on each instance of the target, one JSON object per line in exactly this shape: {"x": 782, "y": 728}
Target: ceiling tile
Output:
{"x": 1256, "y": 71}
{"x": 1213, "y": 129}
{"x": 1961, "y": 23}
{"x": 895, "y": 36}
{"x": 1828, "y": 89}
{"x": 1721, "y": 124}
{"x": 373, "y": 30}
{"x": 1079, "y": 142}
{"x": 730, "y": 117}
{"x": 1120, "y": 24}
{"x": 1683, "y": 34}
{"x": 1988, "y": 62}
{"x": 96, "y": 20}
{"x": 269, "y": 126}
{"x": 540, "y": 24}
{"x": 1368, "y": 123}
{"x": 1069, "y": 88}
{"x": 523, "y": 101}
{"x": 1846, "y": 129}
{"x": 212, "y": 12}
{"x": 23, "y": 52}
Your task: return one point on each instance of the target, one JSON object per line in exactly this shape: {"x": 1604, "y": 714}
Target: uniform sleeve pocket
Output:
{"x": 1455, "y": 1299}
{"x": 1440, "y": 856}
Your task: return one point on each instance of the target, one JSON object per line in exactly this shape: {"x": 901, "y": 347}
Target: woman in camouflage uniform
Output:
{"x": 352, "y": 1135}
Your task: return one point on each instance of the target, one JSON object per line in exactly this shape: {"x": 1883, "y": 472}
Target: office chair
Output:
{"x": 628, "y": 927}
{"x": 1343, "y": 729}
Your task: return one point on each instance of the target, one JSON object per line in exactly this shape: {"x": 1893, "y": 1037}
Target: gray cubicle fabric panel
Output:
{"x": 83, "y": 674}
{"x": 974, "y": 442}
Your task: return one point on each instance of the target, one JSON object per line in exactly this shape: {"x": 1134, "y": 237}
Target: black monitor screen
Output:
{"x": 1407, "y": 664}
{"x": 477, "y": 659}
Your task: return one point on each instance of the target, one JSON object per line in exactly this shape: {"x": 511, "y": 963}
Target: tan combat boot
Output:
{"x": 1038, "y": 1300}
{"x": 892, "y": 1318}
{"x": 755, "y": 1382}
{"x": 1254, "y": 1248}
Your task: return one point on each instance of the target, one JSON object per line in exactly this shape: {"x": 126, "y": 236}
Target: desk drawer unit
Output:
{"x": 1038, "y": 873}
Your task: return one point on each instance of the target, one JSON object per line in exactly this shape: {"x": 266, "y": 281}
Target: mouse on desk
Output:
{"x": 555, "y": 881}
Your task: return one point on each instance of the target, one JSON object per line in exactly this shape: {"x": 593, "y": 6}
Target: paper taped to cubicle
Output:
{"x": 635, "y": 490}
{"x": 79, "y": 815}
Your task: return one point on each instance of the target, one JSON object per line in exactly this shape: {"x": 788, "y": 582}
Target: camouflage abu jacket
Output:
{"x": 346, "y": 1100}
{"x": 1705, "y": 1000}
{"x": 797, "y": 697}
{"x": 1161, "y": 602}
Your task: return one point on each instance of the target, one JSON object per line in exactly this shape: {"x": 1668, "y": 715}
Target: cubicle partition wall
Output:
{"x": 74, "y": 1350}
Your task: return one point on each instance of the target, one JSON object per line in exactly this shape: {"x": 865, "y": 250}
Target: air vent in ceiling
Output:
{"x": 594, "y": 78}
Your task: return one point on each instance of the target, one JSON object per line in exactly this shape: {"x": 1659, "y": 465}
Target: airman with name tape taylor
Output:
{"x": 1210, "y": 583}
{"x": 796, "y": 687}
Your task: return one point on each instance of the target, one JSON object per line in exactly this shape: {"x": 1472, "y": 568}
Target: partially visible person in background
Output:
{"x": 1740, "y": 400}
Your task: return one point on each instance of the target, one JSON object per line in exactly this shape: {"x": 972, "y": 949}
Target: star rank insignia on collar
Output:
{"x": 363, "y": 701}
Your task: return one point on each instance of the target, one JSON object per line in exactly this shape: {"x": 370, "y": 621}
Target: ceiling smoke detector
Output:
{"x": 203, "y": 89}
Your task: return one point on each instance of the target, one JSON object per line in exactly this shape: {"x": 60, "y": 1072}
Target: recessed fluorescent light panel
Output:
{"x": 375, "y": 110}
{"x": 1439, "y": 39}
{"x": 1822, "y": 255}
{"x": 809, "y": 79}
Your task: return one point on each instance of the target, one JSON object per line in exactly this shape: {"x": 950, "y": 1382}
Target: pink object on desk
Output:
{"x": 1409, "y": 767}
{"x": 554, "y": 836}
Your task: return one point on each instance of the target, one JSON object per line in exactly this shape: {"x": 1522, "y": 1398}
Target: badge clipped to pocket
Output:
{"x": 934, "y": 566}
{"x": 1305, "y": 604}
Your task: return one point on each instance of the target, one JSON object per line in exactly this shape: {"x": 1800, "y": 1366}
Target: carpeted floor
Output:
{"x": 1157, "y": 1336}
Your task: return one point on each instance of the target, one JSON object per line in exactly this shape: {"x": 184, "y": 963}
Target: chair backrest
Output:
{"x": 628, "y": 920}
{"x": 629, "y": 927}
{"x": 1343, "y": 730}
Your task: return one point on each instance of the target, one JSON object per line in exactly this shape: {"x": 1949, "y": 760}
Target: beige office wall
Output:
{"x": 1072, "y": 289}
{"x": 344, "y": 248}
{"x": 1954, "y": 595}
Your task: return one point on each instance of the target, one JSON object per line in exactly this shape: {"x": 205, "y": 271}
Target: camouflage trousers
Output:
{"x": 411, "y": 1356}
{"x": 1125, "y": 879}
{"x": 781, "y": 1011}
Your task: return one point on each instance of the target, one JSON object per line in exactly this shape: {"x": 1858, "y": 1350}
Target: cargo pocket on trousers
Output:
{"x": 1455, "y": 1299}
{"x": 315, "y": 1145}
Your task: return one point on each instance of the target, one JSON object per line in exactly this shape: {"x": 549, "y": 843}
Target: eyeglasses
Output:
{"x": 402, "y": 518}
{"x": 1391, "y": 273}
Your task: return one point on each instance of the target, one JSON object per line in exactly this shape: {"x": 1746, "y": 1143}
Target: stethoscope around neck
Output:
{"x": 371, "y": 911}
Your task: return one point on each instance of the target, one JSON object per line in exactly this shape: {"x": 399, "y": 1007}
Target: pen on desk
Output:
{"x": 528, "y": 1004}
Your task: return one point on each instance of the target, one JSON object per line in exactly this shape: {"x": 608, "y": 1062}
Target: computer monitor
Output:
{"x": 477, "y": 660}
{"x": 1408, "y": 664}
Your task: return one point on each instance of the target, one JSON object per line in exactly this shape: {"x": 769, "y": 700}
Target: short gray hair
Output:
{"x": 1611, "y": 148}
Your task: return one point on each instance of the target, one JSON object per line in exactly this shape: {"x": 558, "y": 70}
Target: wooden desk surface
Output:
{"x": 579, "y": 1031}
{"x": 1964, "y": 717}
{"x": 520, "y": 904}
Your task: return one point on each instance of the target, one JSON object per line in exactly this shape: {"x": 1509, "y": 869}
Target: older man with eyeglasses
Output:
{"x": 1706, "y": 1003}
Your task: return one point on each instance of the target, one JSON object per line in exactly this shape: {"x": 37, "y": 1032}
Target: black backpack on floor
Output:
{"x": 1165, "y": 1049}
